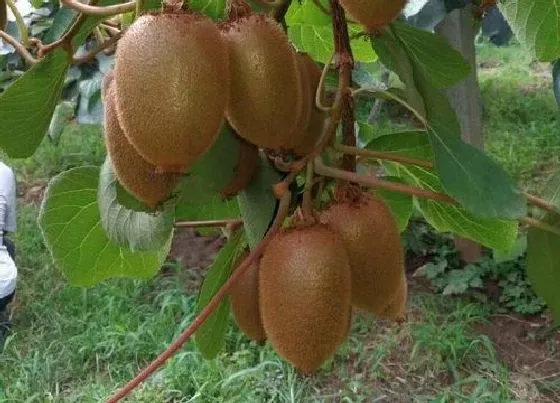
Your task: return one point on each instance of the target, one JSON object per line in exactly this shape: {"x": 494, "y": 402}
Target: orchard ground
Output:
{"x": 75, "y": 345}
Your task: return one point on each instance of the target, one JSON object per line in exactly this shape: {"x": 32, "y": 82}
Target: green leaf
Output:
{"x": 214, "y": 9}
{"x": 543, "y": 267}
{"x": 518, "y": 249}
{"x": 199, "y": 194}
{"x": 536, "y": 24}
{"x": 310, "y": 29}
{"x": 413, "y": 144}
{"x": 467, "y": 174}
{"x": 210, "y": 337}
{"x": 432, "y": 55}
{"x": 136, "y": 231}
{"x": 71, "y": 225}
{"x": 27, "y": 106}
{"x": 400, "y": 204}
{"x": 257, "y": 204}
{"x": 62, "y": 20}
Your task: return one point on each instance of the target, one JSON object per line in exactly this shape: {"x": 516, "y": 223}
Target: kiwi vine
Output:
{"x": 321, "y": 256}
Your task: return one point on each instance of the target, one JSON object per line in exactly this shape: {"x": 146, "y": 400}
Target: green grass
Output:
{"x": 79, "y": 345}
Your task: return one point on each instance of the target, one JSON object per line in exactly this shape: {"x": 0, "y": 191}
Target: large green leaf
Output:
{"x": 401, "y": 204}
{"x": 258, "y": 204}
{"x": 437, "y": 60}
{"x": 536, "y": 23}
{"x": 543, "y": 267}
{"x": 467, "y": 174}
{"x": 26, "y": 107}
{"x": 71, "y": 226}
{"x": 136, "y": 231}
{"x": 199, "y": 193}
{"x": 209, "y": 338}
{"x": 496, "y": 234}
{"x": 311, "y": 31}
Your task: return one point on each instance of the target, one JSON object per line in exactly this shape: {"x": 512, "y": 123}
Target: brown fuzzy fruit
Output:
{"x": 266, "y": 97}
{"x": 244, "y": 298}
{"x": 373, "y": 14}
{"x": 172, "y": 86}
{"x": 372, "y": 239}
{"x": 317, "y": 117}
{"x": 135, "y": 174}
{"x": 397, "y": 307}
{"x": 304, "y": 291}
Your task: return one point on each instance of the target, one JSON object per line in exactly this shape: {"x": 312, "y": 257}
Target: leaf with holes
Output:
{"x": 71, "y": 225}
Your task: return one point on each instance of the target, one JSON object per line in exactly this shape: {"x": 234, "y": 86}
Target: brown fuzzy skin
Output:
{"x": 266, "y": 96}
{"x": 306, "y": 97}
{"x": 396, "y": 310}
{"x": 317, "y": 117}
{"x": 246, "y": 169}
{"x": 372, "y": 239}
{"x": 244, "y": 298}
{"x": 172, "y": 86}
{"x": 305, "y": 291}
{"x": 373, "y": 14}
{"x": 134, "y": 173}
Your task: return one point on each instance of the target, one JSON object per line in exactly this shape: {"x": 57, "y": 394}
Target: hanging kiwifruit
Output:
{"x": 3, "y": 15}
{"x": 244, "y": 298}
{"x": 266, "y": 96}
{"x": 172, "y": 86}
{"x": 372, "y": 239}
{"x": 304, "y": 292}
{"x": 246, "y": 169}
{"x": 396, "y": 310}
{"x": 373, "y": 14}
{"x": 314, "y": 129}
{"x": 135, "y": 174}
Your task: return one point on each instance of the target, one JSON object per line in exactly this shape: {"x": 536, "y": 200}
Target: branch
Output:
{"x": 533, "y": 222}
{"x": 106, "y": 11}
{"x": 543, "y": 204}
{"x": 211, "y": 307}
{"x": 19, "y": 22}
{"x": 373, "y": 181}
{"x": 19, "y": 47}
{"x": 209, "y": 223}
{"x": 345, "y": 63}
{"x": 99, "y": 48}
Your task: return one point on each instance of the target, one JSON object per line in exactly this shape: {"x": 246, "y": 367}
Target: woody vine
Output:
{"x": 272, "y": 153}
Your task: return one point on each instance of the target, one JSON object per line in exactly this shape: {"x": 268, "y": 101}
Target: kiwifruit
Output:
{"x": 3, "y": 15}
{"x": 244, "y": 298}
{"x": 373, "y": 14}
{"x": 306, "y": 97}
{"x": 372, "y": 239}
{"x": 312, "y": 132}
{"x": 396, "y": 310}
{"x": 304, "y": 292}
{"x": 172, "y": 87}
{"x": 247, "y": 167}
{"x": 266, "y": 95}
{"x": 135, "y": 174}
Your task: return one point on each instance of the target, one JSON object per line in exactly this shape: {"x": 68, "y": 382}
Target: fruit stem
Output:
{"x": 345, "y": 63}
{"x": 388, "y": 156}
{"x": 22, "y": 28}
{"x": 105, "y": 11}
{"x": 99, "y": 48}
{"x": 28, "y": 57}
{"x": 208, "y": 223}
{"x": 307, "y": 203}
{"x": 212, "y": 304}
{"x": 320, "y": 89}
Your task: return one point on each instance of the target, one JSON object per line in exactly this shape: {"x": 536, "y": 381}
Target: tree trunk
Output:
{"x": 465, "y": 98}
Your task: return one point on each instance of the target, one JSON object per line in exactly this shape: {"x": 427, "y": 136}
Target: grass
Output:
{"x": 79, "y": 345}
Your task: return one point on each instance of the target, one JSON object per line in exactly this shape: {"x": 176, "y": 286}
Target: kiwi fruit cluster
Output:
{"x": 313, "y": 273}
{"x": 374, "y": 15}
{"x": 169, "y": 103}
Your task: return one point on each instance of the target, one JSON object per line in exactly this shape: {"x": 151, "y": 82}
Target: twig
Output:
{"x": 372, "y": 181}
{"x": 19, "y": 22}
{"x": 320, "y": 89}
{"x": 19, "y": 47}
{"x": 383, "y": 156}
{"x": 99, "y": 48}
{"x": 208, "y": 224}
{"x": 543, "y": 204}
{"x": 533, "y": 222}
{"x": 105, "y": 11}
{"x": 211, "y": 307}
{"x": 345, "y": 63}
